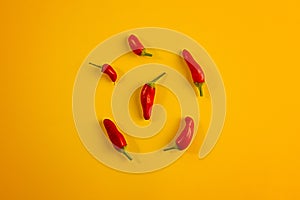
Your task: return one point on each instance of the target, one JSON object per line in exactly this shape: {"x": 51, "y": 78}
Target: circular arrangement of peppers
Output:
{"x": 147, "y": 96}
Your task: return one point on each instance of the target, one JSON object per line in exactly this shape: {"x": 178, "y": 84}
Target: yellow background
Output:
{"x": 255, "y": 46}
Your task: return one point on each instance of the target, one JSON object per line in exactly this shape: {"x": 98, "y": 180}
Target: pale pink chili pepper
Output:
{"x": 137, "y": 47}
{"x": 185, "y": 137}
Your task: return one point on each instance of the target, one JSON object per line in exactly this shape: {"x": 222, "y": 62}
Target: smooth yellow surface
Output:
{"x": 255, "y": 46}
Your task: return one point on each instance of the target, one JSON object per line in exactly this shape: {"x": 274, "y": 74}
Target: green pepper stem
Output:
{"x": 200, "y": 90}
{"x": 95, "y": 65}
{"x": 199, "y": 86}
{"x": 157, "y": 78}
{"x": 170, "y": 148}
{"x": 147, "y": 54}
{"x": 123, "y": 151}
{"x": 144, "y": 53}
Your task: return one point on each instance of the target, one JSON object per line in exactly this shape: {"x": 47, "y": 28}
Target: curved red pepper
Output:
{"x": 107, "y": 69}
{"x": 116, "y": 137}
{"x": 195, "y": 69}
{"x": 137, "y": 47}
{"x": 147, "y": 97}
{"x": 185, "y": 137}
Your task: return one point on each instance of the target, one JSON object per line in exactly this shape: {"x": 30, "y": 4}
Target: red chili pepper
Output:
{"x": 195, "y": 69}
{"x": 116, "y": 137}
{"x": 137, "y": 47}
{"x": 185, "y": 137}
{"x": 147, "y": 97}
{"x": 107, "y": 69}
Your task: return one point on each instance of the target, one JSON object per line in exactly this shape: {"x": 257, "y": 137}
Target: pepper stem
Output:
{"x": 95, "y": 65}
{"x": 199, "y": 86}
{"x": 170, "y": 148}
{"x": 147, "y": 54}
{"x": 144, "y": 53}
{"x": 123, "y": 151}
{"x": 157, "y": 78}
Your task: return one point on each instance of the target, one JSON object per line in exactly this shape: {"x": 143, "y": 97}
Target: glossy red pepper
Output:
{"x": 185, "y": 137}
{"x": 137, "y": 47}
{"x": 116, "y": 137}
{"x": 195, "y": 69}
{"x": 107, "y": 69}
{"x": 147, "y": 97}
